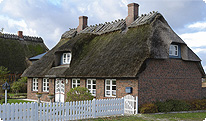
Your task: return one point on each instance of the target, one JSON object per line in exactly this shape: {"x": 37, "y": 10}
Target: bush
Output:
{"x": 198, "y": 104}
{"x": 3, "y": 76}
{"x": 172, "y": 105}
{"x": 2, "y": 101}
{"x": 20, "y": 94}
{"x": 79, "y": 94}
{"x": 20, "y": 86}
{"x": 148, "y": 108}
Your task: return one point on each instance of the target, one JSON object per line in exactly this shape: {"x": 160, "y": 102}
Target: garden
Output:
{"x": 17, "y": 91}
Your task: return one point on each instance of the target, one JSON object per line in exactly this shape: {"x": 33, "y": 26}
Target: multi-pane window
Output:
{"x": 66, "y": 58}
{"x": 35, "y": 84}
{"x": 45, "y": 85}
{"x": 91, "y": 86}
{"x": 173, "y": 50}
{"x": 75, "y": 83}
{"x": 110, "y": 88}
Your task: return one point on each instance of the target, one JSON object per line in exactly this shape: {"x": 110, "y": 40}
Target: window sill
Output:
{"x": 111, "y": 96}
{"x": 45, "y": 92}
{"x": 61, "y": 66}
{"x": 34, "y": 91}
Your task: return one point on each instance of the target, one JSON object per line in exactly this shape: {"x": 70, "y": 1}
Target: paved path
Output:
{"x": 33, "y": 100}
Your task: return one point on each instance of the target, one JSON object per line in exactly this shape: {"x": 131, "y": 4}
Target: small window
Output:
{"x": 75, "y": 83}
{"x": 173, "y": 50}
{"x": 91, "y": 86}
{"x": 66, "y": 58}
{"x": 35, "y": 84}
{"x": 110, "y": 88}
{"x": 45, "y": 85}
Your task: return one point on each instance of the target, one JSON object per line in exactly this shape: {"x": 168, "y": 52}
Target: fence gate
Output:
{"x": 130, "y": 104}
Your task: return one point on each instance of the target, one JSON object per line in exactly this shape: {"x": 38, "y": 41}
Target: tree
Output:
{"x": 3, "y": 76}
{"x": 79, "y": 94}
{"x": 20, "y": 85}
{"x": 3, "y": 73}
{"x": 2, "y": 29}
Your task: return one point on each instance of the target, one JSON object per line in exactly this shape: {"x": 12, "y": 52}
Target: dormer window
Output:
{"x": 66, "y": 58}
{"x": 173, "y": 50}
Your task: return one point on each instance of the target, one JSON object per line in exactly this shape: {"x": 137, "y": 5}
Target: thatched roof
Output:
{"x": 15, "y": 52}
{"x": 112, "y": 49}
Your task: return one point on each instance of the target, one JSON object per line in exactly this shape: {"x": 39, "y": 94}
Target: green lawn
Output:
{"x": 157, "y": 117}
{"x": 15, "y": 101}
{"x": 14, "y": 94}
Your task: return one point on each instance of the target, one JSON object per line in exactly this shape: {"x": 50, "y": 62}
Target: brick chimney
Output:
{"x": 20, "y": 34}
{"x": 82, "y": 23}
{"x": 133, "y": 13}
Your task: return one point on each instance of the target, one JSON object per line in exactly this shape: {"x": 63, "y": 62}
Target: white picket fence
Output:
{"x": 61, "y": 111}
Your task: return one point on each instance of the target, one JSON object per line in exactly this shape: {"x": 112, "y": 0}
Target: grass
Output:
{"x": 183, "y": 116}
{"x": 15, "y": 101}
{"x": 13, "y": 94}
{"x": 157, "y": 117}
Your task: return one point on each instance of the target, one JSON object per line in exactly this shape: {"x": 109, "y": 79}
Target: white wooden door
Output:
{"x": 59, "y": 90}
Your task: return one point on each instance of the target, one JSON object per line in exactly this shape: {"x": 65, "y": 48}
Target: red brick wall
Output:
{"x": 203, "y": 92}
{"x": 100, "y": 85}
{"x": 68, "y": 86}
{"x": 100, "y": 88}
{"x": 169, "y": 79}
{"x": 32, "y": 94}
{"x": 121, "y": 84}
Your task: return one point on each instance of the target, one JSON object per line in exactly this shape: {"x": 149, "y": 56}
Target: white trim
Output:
{"x": 66, "y": 58}
{"x": 92, "y": 85}
{"x": 75, "y": 83}
{"x": 45, "y": 84}
{"x": 110, "y": 85}
{"x": 173, "y": 50}
{"x": 35, "y": 84}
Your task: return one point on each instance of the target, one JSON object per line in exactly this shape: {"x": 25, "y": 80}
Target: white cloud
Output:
{"x": 1, "y": 1}
{"x": 198, "y": 25}
{"x": 204, "y": 67}
{"x": 198, "y": 50}
{"x": 205, "y": 1}
{"x": 196, "y": 39}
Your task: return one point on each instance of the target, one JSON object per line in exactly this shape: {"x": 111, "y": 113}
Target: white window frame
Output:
{"x": 45, "y": 84}
{"x": 75, "y": 82}
{"x": 66, "y": 59}
{"x": 110, "y": 85}
{"x": 91, "y": 85}
{"x": 173, "y": 50}
{"x": 35, "y": 84}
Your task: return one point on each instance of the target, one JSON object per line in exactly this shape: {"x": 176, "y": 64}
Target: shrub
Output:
{"x": 20, "y": 85}
{"x": 3, "y": 76}
{"x": 172, "y": 105}
{"x": 180, "y": 105}
{"x": 2, "y": 101}
{"x": 50, "y": 94}
{"x": 164, "y": 106}
{"x": 198, "y": 104}
{"x": 79, "y": 94}
{"x": 148, "y": 108}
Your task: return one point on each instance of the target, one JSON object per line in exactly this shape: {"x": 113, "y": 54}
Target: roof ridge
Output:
{"x": 118, "y": 24}
{"x": 16, "y": 37}
{"x": 143, "y": 19}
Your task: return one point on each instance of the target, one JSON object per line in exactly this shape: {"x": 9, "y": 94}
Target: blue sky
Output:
{"x": 49, "y": 19}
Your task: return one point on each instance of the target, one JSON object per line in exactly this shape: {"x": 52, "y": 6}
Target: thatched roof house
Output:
{"x": 120, "y": 54}
{"x": 16, "y": 49}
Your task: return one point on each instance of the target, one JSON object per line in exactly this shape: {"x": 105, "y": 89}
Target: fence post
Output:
{"x": 123, "y": 105}
{"x": 36, "y": 111}
{"x": 94, "y": 108}
{"x": 136, "y": 104}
